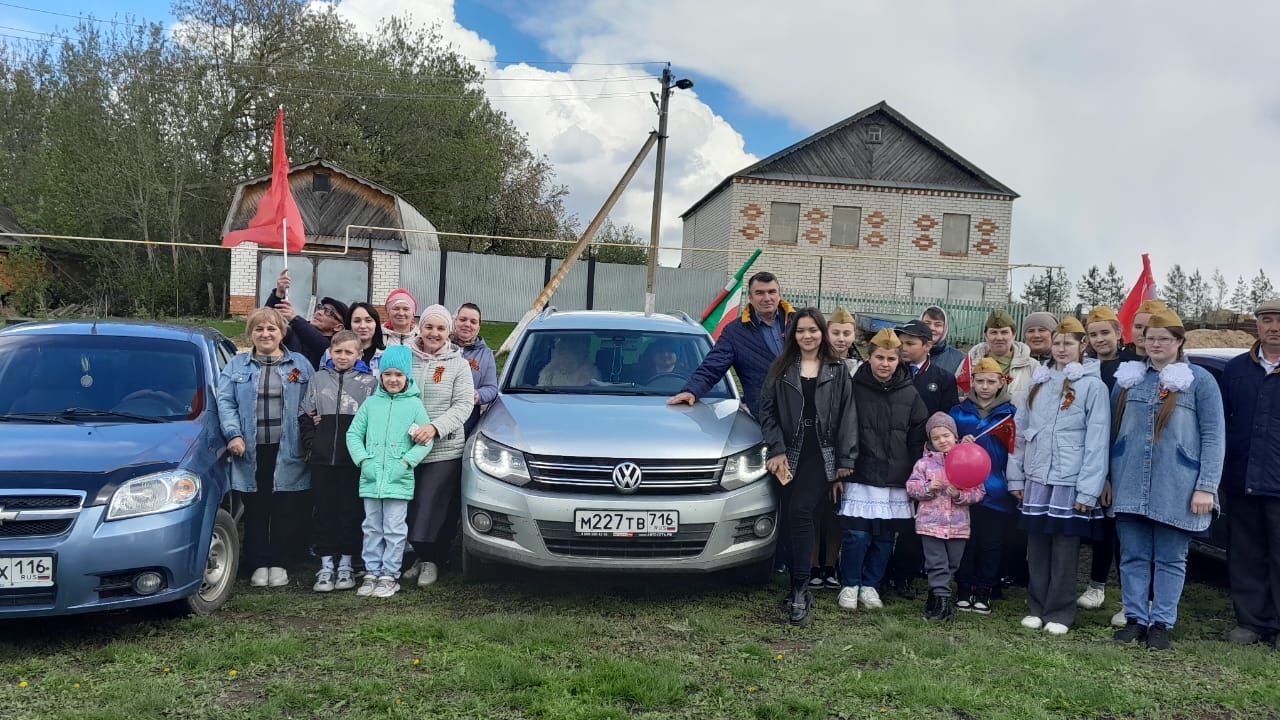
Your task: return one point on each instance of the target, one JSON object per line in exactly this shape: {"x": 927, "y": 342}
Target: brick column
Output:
{"x": 386, "y": 275}
{"x": 244, "y": 279}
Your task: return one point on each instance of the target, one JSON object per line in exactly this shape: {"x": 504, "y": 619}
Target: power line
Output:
{"x": 76, "y": 17}
{"x": 33, "y": 32}
{"x": 305, "y": 67}
{"x": 29, "y": 39}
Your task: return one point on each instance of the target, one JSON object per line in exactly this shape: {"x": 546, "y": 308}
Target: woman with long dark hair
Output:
{"x": 1165, "y": 466}
{"x": 809, "y": 422}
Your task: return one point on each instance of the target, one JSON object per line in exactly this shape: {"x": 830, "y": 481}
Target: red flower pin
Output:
{"x": 439, "y": 374}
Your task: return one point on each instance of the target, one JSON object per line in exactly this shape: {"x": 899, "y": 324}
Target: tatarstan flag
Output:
{"x": 724, "y": 309}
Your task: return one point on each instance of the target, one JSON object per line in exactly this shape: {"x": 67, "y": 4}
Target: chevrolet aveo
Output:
{"x": 581, "y": 465}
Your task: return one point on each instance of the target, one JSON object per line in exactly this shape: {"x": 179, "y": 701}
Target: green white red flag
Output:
{"x": 725, "y": 308}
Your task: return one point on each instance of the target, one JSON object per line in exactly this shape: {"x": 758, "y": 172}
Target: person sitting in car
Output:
{"x": 569, "y": 365}
{"x": 660, "y": 358}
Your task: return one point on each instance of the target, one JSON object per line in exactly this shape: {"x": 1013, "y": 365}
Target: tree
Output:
{"x": 1090, "y": 289}
{"x": 611, "y": 234}
{"x": 1050, "y": 291}
{"x": 1261, "y": 289}
{"x": 1219, "y": 290}
{"x": 1240, "y": 296}
{"x": 1114, "y": 290}
{"x": 1176, "y": 291}
{"x": 1199, "y": 296}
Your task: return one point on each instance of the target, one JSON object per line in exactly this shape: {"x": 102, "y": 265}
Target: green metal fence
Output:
{"x": 966, "y": 317}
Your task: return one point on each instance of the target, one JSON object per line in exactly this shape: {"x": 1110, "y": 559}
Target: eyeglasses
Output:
{"x": 1161, "y": 341}
{"x": 328, "y": 310}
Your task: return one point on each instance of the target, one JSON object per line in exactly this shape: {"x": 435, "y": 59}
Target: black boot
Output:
{"x": 1158, "y": 637}
{"x": 947, "y": 608}
{"x": 801, "y": 606}
{"x": 1131, "y": 632}
{"x": 933, "y": 607}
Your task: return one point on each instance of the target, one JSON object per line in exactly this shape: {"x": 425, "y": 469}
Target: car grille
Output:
{"x": 38, "y": 515}
{"x": 560, "y": 539}
{"x": 22, "y": 597}
{"x": 39, "y": 502}
{"x": 33, "y": 528}
{"x": 595, "y": 475}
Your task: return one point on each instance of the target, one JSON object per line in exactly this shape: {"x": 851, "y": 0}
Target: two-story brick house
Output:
{"x": 889, "y": 208}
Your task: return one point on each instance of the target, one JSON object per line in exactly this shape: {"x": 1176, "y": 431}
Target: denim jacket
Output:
{"x": 1156, "y": 479}
{"x": 1060, "y": 442}
{"x": 237, "y": 395}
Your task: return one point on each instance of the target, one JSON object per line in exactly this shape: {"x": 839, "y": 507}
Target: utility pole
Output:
{"x": 655, "y": 222}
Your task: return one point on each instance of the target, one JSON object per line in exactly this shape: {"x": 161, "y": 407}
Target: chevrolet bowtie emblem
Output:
{"x": 6, "y": 516}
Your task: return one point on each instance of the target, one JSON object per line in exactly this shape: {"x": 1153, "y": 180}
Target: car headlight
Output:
{"x": 499, "y": 461}
{"x": 744, "y": 468}
{"x": 154, "y": 493}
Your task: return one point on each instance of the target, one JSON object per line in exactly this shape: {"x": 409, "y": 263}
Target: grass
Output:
{"x": 595, "y": 647}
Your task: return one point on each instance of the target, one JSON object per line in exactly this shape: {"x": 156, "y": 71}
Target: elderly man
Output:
{"x": 1251, "y": 481}
{"x": 748, "y": 345}
{"x": 309, "y": 338}
{"x": 1037, "y": 334}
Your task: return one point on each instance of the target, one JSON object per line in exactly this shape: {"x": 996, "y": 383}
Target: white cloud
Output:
{"x": 366, "y": 14}
{"x": 1125, "y": 127}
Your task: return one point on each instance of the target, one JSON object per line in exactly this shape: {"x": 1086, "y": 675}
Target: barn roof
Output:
{"x": 327, "y": 214}
{"x": 907, "y": 157}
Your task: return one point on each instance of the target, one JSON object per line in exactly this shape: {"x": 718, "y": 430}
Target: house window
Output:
{"x": 784, "y": 223}
{"x": 955, "y": 234}
{"x": 874, "y": 133}
{"x": 927, "y": 288}
{"x": 320, "y": 183}
{"x": 846, "y": 224}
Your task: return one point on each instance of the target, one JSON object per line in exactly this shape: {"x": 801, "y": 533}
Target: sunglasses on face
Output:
{"x": 328, "y": 311}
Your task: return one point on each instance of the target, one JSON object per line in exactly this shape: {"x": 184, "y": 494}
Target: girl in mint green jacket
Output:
{"x": 380, "y": 444}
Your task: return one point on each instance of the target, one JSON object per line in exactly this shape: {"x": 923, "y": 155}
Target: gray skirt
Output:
{"x": 433, "y": 512}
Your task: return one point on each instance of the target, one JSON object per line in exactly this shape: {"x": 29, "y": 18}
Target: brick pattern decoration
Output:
{"x": 926, "y": 223}
{"x": 871, "y": 188}
{"x": 923, "y": 243}
{"x": 752, "y": 212}
{"x": 814, "y": 235}
{"x": 751, "y": 232}
{"x": 875, "y": 238}
{"x": 816, "y": 216}
{"x": 242, "y": 305}
{"x": 987, "y": 228}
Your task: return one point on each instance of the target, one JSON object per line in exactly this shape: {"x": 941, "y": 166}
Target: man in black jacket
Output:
{"x": 936, "y": 386}
{"x": 310, "y": 339}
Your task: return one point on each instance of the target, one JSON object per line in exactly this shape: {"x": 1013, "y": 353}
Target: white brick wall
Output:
{"x": 386, "y": 275}
{"x": 709, "y": 227}
{"x": 244, "y": 269}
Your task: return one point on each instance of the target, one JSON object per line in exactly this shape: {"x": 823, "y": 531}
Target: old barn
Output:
{"x": 331, "y": 200}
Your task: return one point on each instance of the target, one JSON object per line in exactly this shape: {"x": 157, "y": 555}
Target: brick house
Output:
{"x": 330, "y": 199}
{"x": 887, "y": 208}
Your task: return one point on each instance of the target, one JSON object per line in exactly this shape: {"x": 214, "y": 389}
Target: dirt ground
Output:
{"x": 1219, "y": 339}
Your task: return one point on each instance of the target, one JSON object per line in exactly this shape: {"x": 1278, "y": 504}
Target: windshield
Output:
{"x": 609, "y": 362}
{"x": 99, "y": 378}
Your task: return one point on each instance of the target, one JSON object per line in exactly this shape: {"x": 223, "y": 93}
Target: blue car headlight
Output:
{"x": 154, "y": 493}
{"x": 499, "y": 461}
{"x": 744, "y": 468}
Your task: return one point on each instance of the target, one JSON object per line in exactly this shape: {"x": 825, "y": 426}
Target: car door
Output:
{"x": 1214, "y": 541}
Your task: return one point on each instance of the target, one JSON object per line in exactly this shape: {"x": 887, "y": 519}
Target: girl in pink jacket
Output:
{"x": 942, "y": 518}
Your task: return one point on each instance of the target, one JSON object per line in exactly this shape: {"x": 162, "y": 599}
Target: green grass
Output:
{"x": 591, "y": 647}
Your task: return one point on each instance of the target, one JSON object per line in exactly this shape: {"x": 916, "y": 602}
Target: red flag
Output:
{"x": 1144, "y": 289}
{"x": 277, "y": 211}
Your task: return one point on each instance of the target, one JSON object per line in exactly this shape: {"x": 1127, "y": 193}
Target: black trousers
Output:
{"x": 1106, "y": 552}
{"x": 435, "y": 509}
{"x": 338, "y": 510}
{"x": 1253, "y": 561}
{"x": 1014, "y": 565}
{"x": 1051, "y": 588}
{"x": 985, "y": 549}
{"x": 807, "y": 490}
{"x": 907, "y": 561}
{"x": 274, "y": 522}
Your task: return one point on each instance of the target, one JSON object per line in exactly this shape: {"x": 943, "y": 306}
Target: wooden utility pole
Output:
{"x": 567, "y": 264}
{"x": 659, "y": 169}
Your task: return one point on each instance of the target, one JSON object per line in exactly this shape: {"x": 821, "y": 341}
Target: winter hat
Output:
{"x": 940, "y": 419}
{"x": 400, "y": 295}
{"x": 999, "y": 319}
{"x": 397, "y": 357}
{"x": 1152, "y": 306}
{"x": 1165, "y": 319}
{"x": 840, "y": 315}
{"x": 1070, "y": 325}
{"x": 987, "y": 365}
{"x": 438, "y": 312}
{"x": 1039, "y": 320}
{"x": 886, "y": 339}
{"x": 1102, "y": 313}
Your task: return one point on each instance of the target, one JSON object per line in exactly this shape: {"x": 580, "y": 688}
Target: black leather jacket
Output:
{"x": 782, "y": 411}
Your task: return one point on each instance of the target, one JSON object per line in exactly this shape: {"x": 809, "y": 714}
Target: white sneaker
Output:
{"x": 428, "y": 573}
{"x": 324, "y": 580}
{"x": 277, "y": 577}
{"x": 346, "y": 578}
{"x": 869, "y": 598}
{"x": 259, "y": 578}
{"x": 1091, "y": 599}
{"x": 412, "y": 572}
{"x": 366, "y": 587}
{"x": 385, "y": 587}
{"x": 1031, "y": 622}
{"x": 1119, "y": 620}
{"x": 1056, "y": 628}
{"x": 848, "y": 598}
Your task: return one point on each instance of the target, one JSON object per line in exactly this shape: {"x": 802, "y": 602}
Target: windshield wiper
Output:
{"x": 34, "y": 417}
{"x": 71, "y": 413}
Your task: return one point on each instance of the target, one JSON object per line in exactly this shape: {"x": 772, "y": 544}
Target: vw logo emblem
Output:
{"x": 626, "y": 477}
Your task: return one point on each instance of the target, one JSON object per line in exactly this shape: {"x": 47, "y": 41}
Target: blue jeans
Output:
{"x": 385, "y": 530}
{"x": 863, "y": 558}
{"x": 1153, "y": 565}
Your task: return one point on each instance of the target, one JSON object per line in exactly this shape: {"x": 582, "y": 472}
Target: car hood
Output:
{"x": 613, "y": 426}
{"x": 87, "y": 456}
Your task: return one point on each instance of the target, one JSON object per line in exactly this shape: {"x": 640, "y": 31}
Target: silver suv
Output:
{"x": 581, "y": 465}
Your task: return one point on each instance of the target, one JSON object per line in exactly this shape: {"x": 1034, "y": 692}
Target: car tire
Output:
{"x": 757, "y": 573}
{"x": 474, "y": 570}
{"x": 221, "y": 565}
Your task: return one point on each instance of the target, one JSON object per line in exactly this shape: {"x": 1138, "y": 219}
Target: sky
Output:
{"x": 1125, "y": 127}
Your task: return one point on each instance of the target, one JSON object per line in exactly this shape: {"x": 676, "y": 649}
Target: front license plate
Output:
{"x": 626, "y": 523}
{"x": 24, "y": 572}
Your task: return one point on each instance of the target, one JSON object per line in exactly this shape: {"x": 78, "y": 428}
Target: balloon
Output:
{"x": 968, "y": 466}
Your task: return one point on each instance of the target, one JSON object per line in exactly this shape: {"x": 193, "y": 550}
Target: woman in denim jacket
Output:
{"x": 1165, "y": 468}
{"x": 1057, "y": 471}
{"x": 259, "y": 394}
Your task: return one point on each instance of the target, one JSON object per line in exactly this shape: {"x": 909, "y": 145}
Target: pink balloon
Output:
{"x": 968, "y": 466}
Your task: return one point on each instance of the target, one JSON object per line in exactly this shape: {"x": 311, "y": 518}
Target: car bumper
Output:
{"x": 94, "y": 559}
{"x": 533, "y": 520}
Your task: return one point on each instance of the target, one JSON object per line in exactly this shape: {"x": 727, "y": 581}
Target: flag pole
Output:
{"x": 284, "y": 223}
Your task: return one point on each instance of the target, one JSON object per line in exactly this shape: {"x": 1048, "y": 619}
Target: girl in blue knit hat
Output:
{"x": 380, "y": 444}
